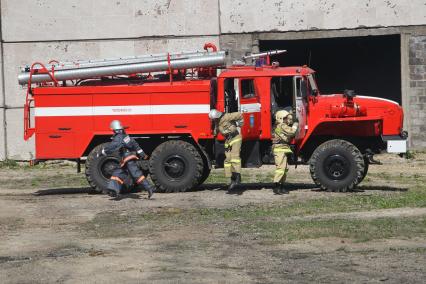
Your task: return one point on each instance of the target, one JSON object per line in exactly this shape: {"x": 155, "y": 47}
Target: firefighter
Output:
{"x": 229, "y": 125}
{"x": 130, "y": 152}
{"x": 285, "y": 129}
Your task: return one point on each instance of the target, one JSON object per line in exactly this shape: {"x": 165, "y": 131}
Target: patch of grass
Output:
{"x": 9, "y": 164}
{"x": 357, "y": 230}
{"x": 401, "y": 178}
{"x": 248, "y": 176}
{"x": 411, "y": 155}
{"x": 113, "y": 224}
{"x": 22, "y": 180}
{"x": 347, "y": 203}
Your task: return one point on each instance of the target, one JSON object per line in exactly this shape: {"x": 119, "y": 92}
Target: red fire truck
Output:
{"x": 164, "y": 100}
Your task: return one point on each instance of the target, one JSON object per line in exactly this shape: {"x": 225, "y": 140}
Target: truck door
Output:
{"x": 301, "y": 99}
{"x": 250, "y": 108}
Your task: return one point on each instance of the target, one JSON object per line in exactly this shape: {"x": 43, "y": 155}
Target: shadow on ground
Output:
{"x": 211, "y": 186}
{"x": 72, "y": 190}
{"x": 216, "y": 187}
{"x": 380, "y": 188}
{"x": 254, "y": 186}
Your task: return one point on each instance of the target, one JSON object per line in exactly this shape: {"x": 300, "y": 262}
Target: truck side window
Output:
{"x": 231, "y": 99}
{"x": 301, "y": 88}
{"x": 247, "y": 89}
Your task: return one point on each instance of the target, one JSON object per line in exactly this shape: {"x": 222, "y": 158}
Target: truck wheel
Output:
{"x": 99, "y": 169}
{"x": 365, "y": 171}
{"x": 205, "y": 174}
{"x": 176, "y": 166}
{"x": 337, "y": 165}
{"x": 206, "y": 168}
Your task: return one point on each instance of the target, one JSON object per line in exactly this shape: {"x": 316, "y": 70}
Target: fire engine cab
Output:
{"x": 164, "y": 100}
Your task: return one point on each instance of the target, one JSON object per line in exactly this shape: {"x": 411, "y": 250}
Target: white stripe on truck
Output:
{"x": 132, "y": 110}
{"x": 121, "y": 110}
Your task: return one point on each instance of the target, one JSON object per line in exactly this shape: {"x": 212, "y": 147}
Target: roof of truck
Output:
{"x": 251, "y": 71}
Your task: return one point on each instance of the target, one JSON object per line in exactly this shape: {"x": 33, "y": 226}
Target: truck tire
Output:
{"x": 99, "y": 169}
{"x": 176, "y": 166}
{"x": 365, "y": 171}
{"x": 206, "y": 167}
{"x": 337, "y": 165}
{"x": 204, "y": 175}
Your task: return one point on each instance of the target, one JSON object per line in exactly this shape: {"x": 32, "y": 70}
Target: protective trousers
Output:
{"x": 280, "y": 155}
{"x": 120, "y": 174}
{"x": 232, "y": 162}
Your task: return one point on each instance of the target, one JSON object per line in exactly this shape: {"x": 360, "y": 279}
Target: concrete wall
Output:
{"x": 47, "y": 20}
{"x": 245, "y": 16}
{"x": 417, "y": 93}
{"x": 2, "y": 136}
{"x": 33, "y": 30}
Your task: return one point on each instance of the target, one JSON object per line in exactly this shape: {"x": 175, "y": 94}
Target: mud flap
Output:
{"x": 250, "y": 154}
{"x": 219, "y": 153}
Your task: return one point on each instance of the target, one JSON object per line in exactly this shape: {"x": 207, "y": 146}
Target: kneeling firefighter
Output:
{"x": 285, "y": 129}
{"x": 129, "y": 151}
{"x": 229, "y": 125}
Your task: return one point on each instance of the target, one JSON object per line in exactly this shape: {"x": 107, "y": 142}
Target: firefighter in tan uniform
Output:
{"x": 229, "y": 125}
{"x": 284, "y": 131}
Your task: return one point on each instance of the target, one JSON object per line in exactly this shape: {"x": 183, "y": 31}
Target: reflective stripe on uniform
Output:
{"x": 117, "y": 179}
{"x": 234, "y": 141}
{"x": 140, "y": 179}
{"x": 283, "y": 150}
{"x": 280, "y": 171}
{"x": 227, "y": 164}
{"x": 235, "y": 160}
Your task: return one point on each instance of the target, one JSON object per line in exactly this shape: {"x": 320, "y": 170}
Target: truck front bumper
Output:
{"x": 396, "y": 143}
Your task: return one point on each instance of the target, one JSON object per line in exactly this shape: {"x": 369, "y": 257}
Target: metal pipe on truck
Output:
{"x": 127, "y": 66}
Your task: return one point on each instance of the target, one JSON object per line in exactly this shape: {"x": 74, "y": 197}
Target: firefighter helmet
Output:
{"x": 281, "y": 115}
{"x": 215, "y": 114}
{"x": 116, "y": 125}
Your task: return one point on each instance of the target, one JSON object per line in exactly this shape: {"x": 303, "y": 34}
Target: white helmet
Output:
{"x": 116, "y": 125}
{"x": 214, "y": 114}
{"x": 281, "y": 115}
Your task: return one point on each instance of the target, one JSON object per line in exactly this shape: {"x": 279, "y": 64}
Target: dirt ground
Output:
{"x": 53, "y": 230}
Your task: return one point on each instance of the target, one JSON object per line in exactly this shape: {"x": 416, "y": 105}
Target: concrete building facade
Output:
{"x": 377, "y": 47}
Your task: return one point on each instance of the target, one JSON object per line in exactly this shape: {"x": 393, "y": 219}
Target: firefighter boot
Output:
{"x": 277, "y": 188}
{"x": 235, "y": 180}
{"x": 232, "y": 184}
{"x": 283, "y": 189}
{"x": 114, "y": 194}
{"x": 113, "y": 189}
{"x": 149, "y": 188}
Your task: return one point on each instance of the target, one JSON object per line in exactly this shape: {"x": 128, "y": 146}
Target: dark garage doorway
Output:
{"x": 370, "y": 65}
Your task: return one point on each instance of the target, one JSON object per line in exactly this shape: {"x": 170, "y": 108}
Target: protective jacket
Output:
{"x": 126, "y": 146}
{"x": 283, "y": 134}
{"x": 229, "y": 123}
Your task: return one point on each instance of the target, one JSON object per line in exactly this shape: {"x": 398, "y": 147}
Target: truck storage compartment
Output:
{"x": 55, "y": 145}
